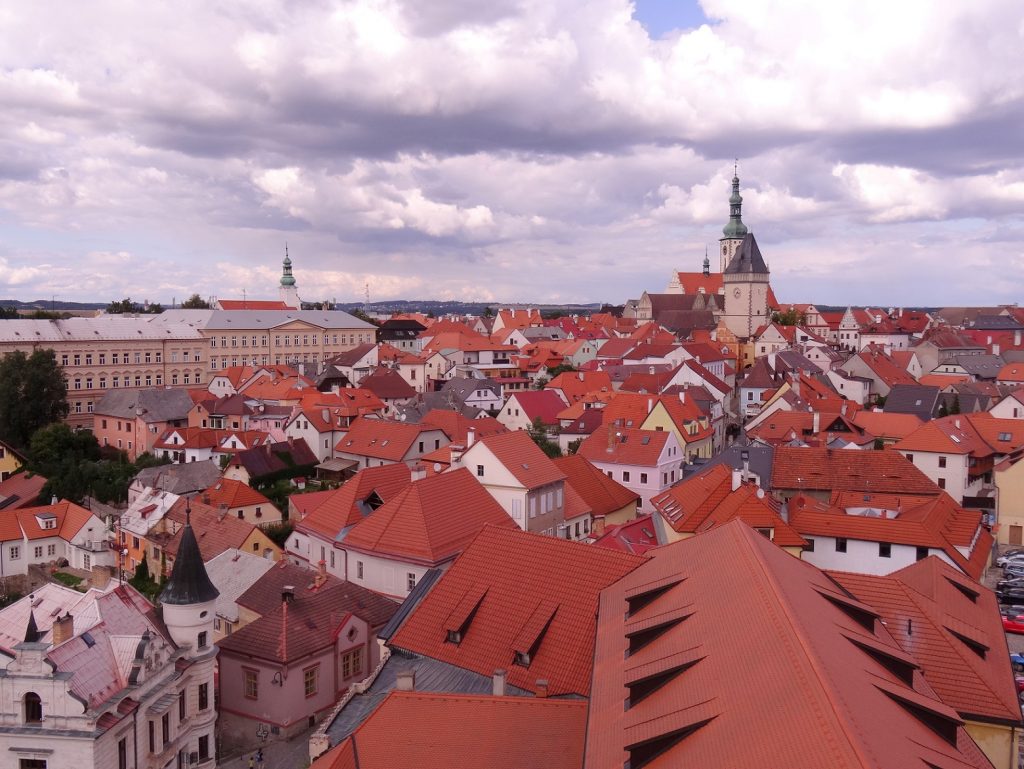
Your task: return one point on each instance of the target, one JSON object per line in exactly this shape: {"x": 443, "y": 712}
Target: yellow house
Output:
{"x": 691, "y": 426}
{"x": 1009, "y": 480}
{"x": 10, "y": 461}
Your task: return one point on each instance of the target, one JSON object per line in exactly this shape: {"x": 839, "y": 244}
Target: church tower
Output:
{"x": 288, "y": 292}
{"x": 735, "y": 230}
{"x": 188, "y": 597}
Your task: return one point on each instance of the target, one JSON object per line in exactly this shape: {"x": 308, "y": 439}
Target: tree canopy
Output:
{"x": 33, "y": 394}
{"x": 195, "y": 302}
{"x": 127, "y": 306}
{"x": 539, "y": 434}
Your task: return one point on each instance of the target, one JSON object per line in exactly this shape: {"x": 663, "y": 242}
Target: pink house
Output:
{"x": 290, "y": 666}
{"x": 644, "y": 461}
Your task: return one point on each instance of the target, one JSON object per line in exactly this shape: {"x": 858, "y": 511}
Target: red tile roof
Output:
{"x": 456, "y": 426}
{"x": 386, "y": 384}
{"x": 822, "y": 469}
{"x": 233, "y": 494}
{"x": 626, "y": 446}
{"x": 68, "y": 519}
{"x": 601, "y": 493}
{"x": 430, "y": 521}
{"x": 941, "y": 617}
{"x": 252, "y": 304}
{"x": 576, "y": 384}
{"x": 20, "y": 490}
{"x": 783, "y": 426}
{"x": 883, "y": 425}
{"x": 539, "y": 403}
{"x": 677, "y": 673}
{"x": 492, "y": 732}
{"x": 523, "y": 458}
{"x": 636, "y": 536}
{"x": 346, "y": 506}
{"x": 518, "y": 582}
{"x": 884, "y": 367}
{"x": 980, "y": 435}
{"x": 382, "y": 438}
{"x": 215, "y": 531}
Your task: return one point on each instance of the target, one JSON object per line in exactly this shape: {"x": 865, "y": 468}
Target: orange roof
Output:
{"x": 1011, "y": 372}
{"x": 598, "y": 491}
{"x": 347, "y": 506}
{"x": 20, "y": 490}
{"x": 783, "y": 426}
{"x": 884, "y": 367}
{"x": 347, "y": 402}
{"x": 478, "y": 731}
{"x": 628, "y": 446}
{"x": 430, "y": 521}
{"x": 706, "y": 500}
{"x": 512, "y": 591}
{"x": 67, "y": 517}
{"x": 381, "y": 438}
{"x": 677, "y": 673}
{"x": 823, "y": 469}
{"x": 979, "y": 435}
{"x": 466, "y": 341}
{"x": 941, "y": 617}
{"x": 456, "y": 426}
{"x": 523, "y": 458}
{"x": 943, "y": 380}
{"x": 576, "y": 384}
{"x": 233, "y": 494}
{"x": 938, "y": 523}
{"x": 885, "y": 425}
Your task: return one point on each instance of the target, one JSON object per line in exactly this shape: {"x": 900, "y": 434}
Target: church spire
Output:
{"x": 287, "y": 279}
{"x": 189, "y": 583}
{"x": 707, "y": 262}
{"x": 735, "y": 228}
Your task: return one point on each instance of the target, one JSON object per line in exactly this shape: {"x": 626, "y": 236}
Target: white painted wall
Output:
{"x": 861, "y": 557}
{"x": 953, "y": 477}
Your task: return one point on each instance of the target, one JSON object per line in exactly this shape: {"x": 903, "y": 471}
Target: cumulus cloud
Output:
{"x": 517, "y": 149}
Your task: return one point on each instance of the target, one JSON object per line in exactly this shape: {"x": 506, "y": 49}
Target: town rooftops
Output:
{"x": 189, "y": 583}
{"x": 980, "y": 435}
{"x": 151, "y": 405}
{"x": 945, "y": 620}
{"x": 539, "y": 404}
{"x": 383, "y": 439}
{"x": 275, "y": 457}
{"x": 430, "y": 521}
{"x": 823, "y": 469}
{"x": 20, "y": 490}
{"x": 214, "y": 531}
{"x": 100, "y": 328}
{"x": 356, "y": 499}
{"x": 244, "y": 320}
{"x": 232, "y": 573}
{"x": 496, "y": 732}
{"x": 251, "y": 304}
{"x": 179, "y": 479}
{"x": 602, "y": 494}
{"x": 387, "y": 384}
{"x": 232, "y": 494}
{"x": 675, "y": 689}
{"x": 63, "y": 519}
{"x": 353, "y": 356}
{"x": 456, "y": 426}
{"x": 626, "y": 446}
{"x": 521, "y": 602}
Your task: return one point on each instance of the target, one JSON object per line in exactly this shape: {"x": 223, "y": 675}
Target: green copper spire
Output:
{"x": 735, "y": 228}
{"x": 286, "y": 276}
{"x": 707, "y": 262}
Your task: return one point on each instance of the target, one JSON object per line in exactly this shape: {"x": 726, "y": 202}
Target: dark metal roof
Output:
{"x": 747, "y": 258}
{"x": 189, "y": 582}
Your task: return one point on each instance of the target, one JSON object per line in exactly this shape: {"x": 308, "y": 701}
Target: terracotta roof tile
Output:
{"x": 523, "y": 458}
{"x": 625, "y": 446}
{"x": 601, "y": 493}
{"x": 539, "y": 403}
{"x": 822, "y": 469}
{"x": 382, "y": 438}
{"x": 517, "y": 572}
{"x": 346, "y": 506}
{"x": 233, "y": 494}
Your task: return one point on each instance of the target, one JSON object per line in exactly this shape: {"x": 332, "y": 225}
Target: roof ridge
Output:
{"x": 768, "y": 579}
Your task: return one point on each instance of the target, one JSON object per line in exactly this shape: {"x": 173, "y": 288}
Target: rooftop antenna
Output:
{"x": 366, "y": 304}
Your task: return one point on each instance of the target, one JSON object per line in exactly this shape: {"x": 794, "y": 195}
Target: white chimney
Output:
{"x": 816, "y": 422}
{"x": 737, "y": 479}
{"x": 470, "y": 436}
{"x": 650, "y": 405}
{"x": 419, "y": 473}
{"x": 405, "y": 681}
{"x": 498, "y": 683}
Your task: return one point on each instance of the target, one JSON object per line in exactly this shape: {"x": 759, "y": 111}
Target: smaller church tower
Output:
{"x": 735, "y": 230}
{"x": 288, "y": 292}
{"x": 188, "y": 597}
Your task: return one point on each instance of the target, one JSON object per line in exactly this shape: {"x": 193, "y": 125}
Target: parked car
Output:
{"x": 1013, "y": 570}
{"x": 1011, "y": 595}
{"x": 1013, "y": 622}
{"x": 1014, "y": 558}
{"x": 1010, "y": 582}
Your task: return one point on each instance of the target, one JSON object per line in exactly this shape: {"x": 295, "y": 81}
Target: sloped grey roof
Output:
{"x": 983, "y": 366}
{"x": 232, "y": 573}
{"x": 463, "y": 387}
{"x": 180, "y": 479}
{"x": 225, "y": 320}
{"x": 747, "y": 258}
{"x": 151, "y": 405}
{"x": 921, "y": 400}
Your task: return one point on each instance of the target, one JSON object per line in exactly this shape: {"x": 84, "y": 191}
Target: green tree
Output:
{"x": 488, "y": 312}
{"x": 561, "y": 368}
{"x": 955, "y": 408}
{"x": 195, "y": 302}
{"x": 279, "y": 532}
{"x": 9, "y": 313}
{"x": 33, "y": 394}
{"x": 539, "y": 434}
{"x": 123, "y": 306}
{"x": 791, "y": 317}
{"x": 573, "y": 446}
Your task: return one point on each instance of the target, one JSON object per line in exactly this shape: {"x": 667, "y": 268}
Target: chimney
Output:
{"x": 842, "y": 408}
{"x": 222, "y": 511}
{"x": 597, "y": 526}
{"x": 745, "y": 456}
{"x": 321, "y": 573}
{"x": 1016, "y": 338}
{"x": 470, "y": 436}
{"x": 784, "y": 512}
{"x": 456, "y": 450}
{"x": 816, "y": 423}
{"x": 405, "y": 681}
{"x": 498, "y": 683}
{"x": 419, "y": 472}
{"x": 682, "y": 393}
{"x": 206, "y": 498}
{"x": 737, "y": 479}
{"x": 650, "y": 405}
{"x": 650, "y": 369}
{"x": 288, "y": 594}
{"x": 542, "y": 688}
{"x": 63, "y": 629}
{"x": 100, "y": 577}
{"x": 611, "y": 438}
{"x": 579, "y": 374}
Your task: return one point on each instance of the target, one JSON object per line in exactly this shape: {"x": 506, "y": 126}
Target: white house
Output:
{"x": 644, "y": 461}
{"x": 45, "y": 535}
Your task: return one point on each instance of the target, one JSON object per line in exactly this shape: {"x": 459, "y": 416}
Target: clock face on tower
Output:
{"x": 736, "y": 292}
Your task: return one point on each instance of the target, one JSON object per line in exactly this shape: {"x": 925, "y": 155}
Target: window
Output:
{"x": 352, "y": 663}
{"x": 122, "y": 753}
{"x": 51, "y": 550}
{"x": 165, "y": 728}
{"x": 625, "y": 476}
{"x": 204, "y": 696}
{"x": 310, "y": 680}
{"x": 922, "y": 553}
{"x": 38, "y": 551}
{"x": 204, "y": 747}
{"x": 135, "y": 542}
{"x": 410, "y": 581}
{"x": 942, "y": 483}
{"x": 359, "y": 569}
{"x": 251, "y": 687}
{"x": 840, "y": 545}
{"x": 910, "y": 457}
{"x": 479, "y": 471}
{"x": 181, "y": 706}
{"x": 884, "y": 550}
{"x": 15, "y": 552}
{"x": 152, "y": 737}
{"x": 33, "y": 709}
{"x": 201, "y": 641}
{"x": 643, "y": 477}
{"x": 942, "y": 462}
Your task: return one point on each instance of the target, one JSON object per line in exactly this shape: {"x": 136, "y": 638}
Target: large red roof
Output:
{"x": 512, "y": 589}
{"x": 822, "y": 469}
{"x": 430, "y": 521}
{"x": 542, "y": 404}
{"x": 382, "y": 438}
{"x": 346, "y": 506}
{"x": 601, "y": 493}
{"x": 824, "y": 686}
{"x": 523, "y": 458}
{"x": 626, "y": 446}
{"x": 452, "y": 731}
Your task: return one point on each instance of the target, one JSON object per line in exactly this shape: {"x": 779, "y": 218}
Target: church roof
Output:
{"x": 747, "y": 258}
{"x": 189, "y": 583}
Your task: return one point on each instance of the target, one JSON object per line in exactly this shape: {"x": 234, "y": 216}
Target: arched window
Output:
{"x": 33, "y": 709}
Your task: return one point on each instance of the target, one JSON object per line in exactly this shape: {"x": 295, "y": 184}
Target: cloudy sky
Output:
{"x": 510, "y": 150}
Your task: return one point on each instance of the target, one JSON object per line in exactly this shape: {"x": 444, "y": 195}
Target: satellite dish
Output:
{"x": 437, "y": 467}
